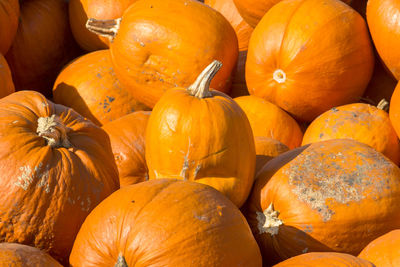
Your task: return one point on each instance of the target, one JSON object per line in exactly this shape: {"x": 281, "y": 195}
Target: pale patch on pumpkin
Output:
{"x": 185, "y": 166}
{"x": 268, "y": 221}
{"x": 305, "y": 250}
{"x": 196, "y": 171}
{"x": 279, "y": 76}
{"x": 27, "y": 177}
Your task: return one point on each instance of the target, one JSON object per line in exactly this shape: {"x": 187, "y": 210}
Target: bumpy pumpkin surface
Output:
{"x": 309, "y": 56}
{"x": 6, "y": 82}
{"x": 165, "y": 223}
{"x": 55, "y": 167}
{"x": 9, "y": 13}
{"x": 334, "y": 196}
{"x": 90, "y": 86}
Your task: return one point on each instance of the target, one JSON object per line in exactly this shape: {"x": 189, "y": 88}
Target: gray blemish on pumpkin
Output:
{"x": 334, "y": 109}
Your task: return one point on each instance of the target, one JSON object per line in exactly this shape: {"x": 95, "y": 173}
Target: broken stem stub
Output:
{"x": 53, "y": 130}
{"x": 104, "y": 27}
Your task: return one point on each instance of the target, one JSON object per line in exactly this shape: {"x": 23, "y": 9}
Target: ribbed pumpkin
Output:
{"x": 165, "y": 223}
{"x": 9, "y": 14}
{"x": 383, "y": 251}
{"x": 17, "y": 255}
{"x": 334, "y": 196}
{"x": 81, "y": 10}
{"x": 90, "y": 86}
{"x": 55, "y": 167}
{"x": 266, "y": 149}
{"x": 309, "y": 56}
{"x": 152, "y": 52}
{"x": 268, "y": 120}
{"x": 205, "y": 136}
{"x": 127, "y": 136}
{"x": 362, "y": 122}
{"x": 6, "y": 82}
{"x": 394, "y": 110}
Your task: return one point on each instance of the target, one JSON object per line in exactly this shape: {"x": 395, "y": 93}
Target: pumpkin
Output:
{"x": 383, "y": 251}
{"x": 152, "y": 53}
{"x": 323, "y": 197}
{"x": 362, "y": 122}
{"x": 18, "y": 255}
{"x": 165, "y": 223}
{"x": 90, "y": 87}
{"x": 394, "y": 110}
{"x": 42, "y": 45}
{"x": 309, "y": 56}
{"x": 239, "y": 87}
{"x": 55, "y": 167}
{"x": 383, "y": 17}
{"x": 220, "y": 153}
{"x": 81, "y": 10}
{"x": 266, "y": 149}
{"x": 325, "y": 259}
{"x": 6, "y": 82}
{"x": 9, "y": 13}
{"x": 127, "y": 136}
{"x": 268, "y": 120}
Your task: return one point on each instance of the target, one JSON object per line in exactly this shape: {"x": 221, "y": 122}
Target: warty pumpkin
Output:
{"x": 18, "y": 255}
{"x": 127, "y": 136}
{"x": 309, "y": 56}
{"x": 152, "y": 53}
{"x": 6, "y": 82}
{"x": 266, "y": 149}
{"x": 165, "y": 223}
{"x": 55, "y": 167}
{"x": 331, "y": 196}
{"x": 9, "y": 14}
{"x": 89, "y": 86}
{"x": 204, "y": 136}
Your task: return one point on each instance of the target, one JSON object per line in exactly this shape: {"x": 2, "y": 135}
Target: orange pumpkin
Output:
{"x": 90, "y": 87}
{"x": 394, "y": 110}
{"x": 6, "y": 82}
{"x": 383, "y": 251}
{"x": 268, "y": 120}
{"x": 9, "y": 14}
{"x": 239, "y": 87}
{"x": 267, "y": 149}
{"x": 165, "y": 223}
{"x": 127, "y": 136}
{"x": 361, "y": 122}
{"x": 334, "y": 196}
{"x": 55, "y": 167}
{"x": 81, "y": 10}
{"x": 152, "y": 53}
{"x": 309, "y": 56}
{"x": 18, "y": 255}
{"x": 205, "y": 136}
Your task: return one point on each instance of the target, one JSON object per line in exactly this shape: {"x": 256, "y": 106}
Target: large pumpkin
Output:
{"x": 55, "y": 167}
{"x": 309, "y": 56}
{"x": 394, "y": 110}
{"x": 6, "y": 82}
{"x": 18, "y": 255}
{"x": 9, "y": 14}
{"x": 205, "y": 136}
{"x": 335, "y": 196}
{"x": 266, "y": 149}
{"x": 165, "y": 223}
{"x": 90, "y": 87}
{"x": 152, "y": 52}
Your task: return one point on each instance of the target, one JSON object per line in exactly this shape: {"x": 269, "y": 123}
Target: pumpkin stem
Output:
{"x": 383, "y": 105}
{"x": 279, "y": 76}
{"x": 268, "y": 221}
{"x": 201, "y": 87}
{"x": 121, "y": 262}
{"x": 53, "y": 131}
{"x": 104, "y": 27}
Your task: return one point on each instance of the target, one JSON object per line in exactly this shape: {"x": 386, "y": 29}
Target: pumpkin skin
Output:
{"x": 309, "y": 56}
{"x": 268, "y": 120}
{"x": 394, "y": 110}
{"x": 267, "y": 149}
{"x": 220, "y": 154}
{"x": 322, "y": 197}
{"x": 383, "y": 251}
{"x": 17, "y": 255}
{"x": 361, "y": 122}
{"x": 6, "y": 82}
{"x": 9, "y": 13}
{"x": 127, "y": 136}
{"x": 90, "y": 87}
{"x": 239, "y": 87}
{"x": 152, "y": 53}
{"x": 152, "y": 225}
{"x": 54, "y": 171}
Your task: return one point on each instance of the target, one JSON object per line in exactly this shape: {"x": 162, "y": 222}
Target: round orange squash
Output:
{"x": 18, "y": 255}
{"x": 267, "y": 149}
{"x": 268, "y": 120}
{"x": 334, "y": 196}
{"x": 127, "y": 136}
{"x": 55, "y": 167}
{"x": 309, "y": 56}
{"x": 362, "y": 122}
{"x": 90, "y": 86}
{"x": 152, "y": 53}
{"x": 165, "y": 223}
{"x": 394, "y": 110}
{"x": 6, "y": 82}
{"x": 204, "y": 136}
{"x": 9, "y": 14}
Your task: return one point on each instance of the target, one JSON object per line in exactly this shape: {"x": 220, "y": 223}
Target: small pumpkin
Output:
{"x": 127, "y": 136}
{"x": 18, "y": 255}
{"x": 9, "y": 14}
{"x": 266, "y": 149}
{"x": 6, "y": 82}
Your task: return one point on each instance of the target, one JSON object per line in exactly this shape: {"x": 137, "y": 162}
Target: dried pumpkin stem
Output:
{"x": 121, "y": 262}
{"x": 106, "y": 27}
{"x": 383, "y": 105}
{"x": 201, "y": 87}
{"x": 268, "y": 221}
{"x": 53, "y": 131}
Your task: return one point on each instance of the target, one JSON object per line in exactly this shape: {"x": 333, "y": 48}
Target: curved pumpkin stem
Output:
{"x": 383, "y": 105}
{"x": 201, "y": 87}
{"x": 54, "y": 131}
{"x": 106, "y": 27}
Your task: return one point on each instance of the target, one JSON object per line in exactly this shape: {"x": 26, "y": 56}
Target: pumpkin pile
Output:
{"x": 199, "y": 133}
